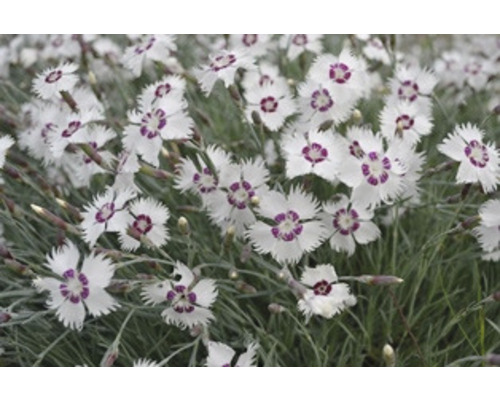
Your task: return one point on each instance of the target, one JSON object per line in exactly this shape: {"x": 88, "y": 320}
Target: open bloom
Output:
{"x": 221, "y": 355}
{"x": 147, "y": 218}
{"x": 347, "y": 224}
{"x": 291, "y": 228}
{"x": 53, "y": 80}
{"x": 6, "y": 142}
{"x": 106, "y": 214}
{"x": 324, "y": 295}
{"x": 488, "y": 232}
{"x": 77, "y": 289}
{"x": 189, "y": 299}
{"x": 295, "y": 45}
{"x": 479, "y": 162}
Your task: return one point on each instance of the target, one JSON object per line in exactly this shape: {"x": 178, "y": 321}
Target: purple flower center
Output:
{"x": 54, "y": 76}
{"x": 287, "y": 227}
{"x": 377, "y": 43}
{"x": 72, "y": 127}
{"x": 205, "y": 181}
{"x": 87, "y": 159}
{"x": 356, "y": 150}
{"x": 408, "y": 91}
{"x": 321, "y": 100}
{"x": 406, "y": 121}
{"x": 45, "y": 131}
{"x": 249, "y": 40}
{"x": 162, "y": 90}
{"x": 222, "y": 61}
{"x": 269, "y": 104}
{"x": 141, "y": 49}
{"x": 182, "y": 299}
{"x": 75, "y": 287}
{"x": 143, "y": 224}
{"x": 299, "y": 40}
{"x": 322, "y": 288}
{"x": 375, "y": 169}
{"x": 239, "y": 194}
{"x": 477, "y": 154}
{"x": 105, "y": 213}
{"x": 265, "y": 79}
{"x": 346, "y": 221}
{"x": 152, "y": 123}
{"x": 340, "y": 73}
{"x": 315, "y": 153}
{"x": 473, "y": 68}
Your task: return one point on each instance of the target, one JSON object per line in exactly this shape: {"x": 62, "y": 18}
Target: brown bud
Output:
{"x": 246, "y": 288}
{"x": 4, "y": 317}
{"x": 379, "y": 280}
{"x": 275, "y": 308}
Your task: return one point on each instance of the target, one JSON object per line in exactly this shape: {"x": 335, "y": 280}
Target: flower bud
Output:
{"x": 255, "y": 201}
{"x": 379, "y": 280}
{"x": 389, "y": 355}
{"x": 493, "y": 359}
{"x": 246, "y": 253}
{"x": 54, "y": 219}
{"x": 357, "y": 116}
{"x": 183, "y": 225}
{"x": 4, "y": 317}
{"x": 275, "y": 308}
{"x": 229, "y": 237}
{"x": 256, "y": 118}
{"x": 111, "y": 355}
{"x": 233, "y": 274}
{"x": 245, "y": 287}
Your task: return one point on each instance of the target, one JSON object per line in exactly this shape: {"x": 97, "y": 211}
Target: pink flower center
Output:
{"x": 408, "y": 90}
{"x": 321, "y": 100}
{"x": 375, "y": 169}
{"x": 143, "y": 224}
{"x": 162, "y": 90}
{"x": 265, "y": 79}
{"x": 205, "y": 181}
{"x": 249, "y": 40}
{"x": 315, "y": 153}
{"x": 322, "y": 288}
{"x": 105, "y": 213}
{"x": 477, "y": 154}
{"x": 75, "y": 287}
{"x": 152, "y": 123}
{"x": 54, "y": 76}
{"x": 239, "y": 194}
{"x": 222, "y": 61}
{"x": 87, "y": 159}
{"x": 340, "y": 73}
{"x": 356, "y": 150}
{"x": 346, "y": 222}
{"x": 269, "y": 104}
{"x": 299, "y": 40}
{"x": 46, "y": 130}
{"x": 182, "y": 299}
{"x": 473, "y": 68}
{"x": 287, "y": 227}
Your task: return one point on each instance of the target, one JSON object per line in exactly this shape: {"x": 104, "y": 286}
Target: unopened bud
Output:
{"x": 119, "y": 287}
{"x": 4, "y": 317}
{"x": 496, "y": 110}
{"x": 496, "y": 296}
{"x": 233, "y": 274}
{"x": 389, "y": 355}
{"x": 291, "y": 82}
{"x": 379, "y": 280}
{"x": 17, "y": 267}
{"x": 275, "y": 308}
{"x": 92, "y": 79}
{"x": 165, "y": 153}
{"x": 256, "y": 118}
{"x": 111, "y": 355}
{"x": 233, "y": 91}
{"x": 69, "y": 100}
{"x": 196, "y": 330}
{"x": 255, "y": 201}
{"x": 246, "y": 253}
{"x": 229, "y": 237}
{"x": 325, "y": 125}
{"x": 155, "y": 172}
{"x": 54, "y": 219}
{"x": 183, "y": 225}
{"x": 70, "y": 208}
{"x": 246, "y": 288}
{"x": 400, "y": 128}
{"x": 357, "y": 116}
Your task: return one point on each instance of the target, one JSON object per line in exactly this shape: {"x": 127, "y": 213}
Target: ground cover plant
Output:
{"x": 249, "y": 200}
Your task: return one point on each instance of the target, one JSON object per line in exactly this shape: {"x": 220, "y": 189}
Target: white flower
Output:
{"x": 189, "y": 298}
{"x": 202, "y": 180}
{"x": 221, "y": 355}
{"x": 256, "y": 45}
{"x": 403, "y": 121}
{"x": 223, "y": 66}
{"x": 272, "y": 102}
{"x": 375, "y": 174}
{"x": 169, "y": 91}
{"x": 238, "y": 184}
{"x": 324, "y": 297}
{"x": 345, "y": 72}
{"x": 53, "y": 80}
{"x": 310, "y": 153}
{"x": 321, "y": 102}
{"x": 375, "y": 50}
{"x": 477, "y": 72}
{"x": 77, "y": 289}
{"x": 149, "y": 47}
{"x": 6, "y": 142}
{"x": 295, "y": 45}
{"x": 264, "y": 74}
{"x": 144, "y": 362}
{"x": 106, "y": 214}
{"x": 479, "y": 162}
{"x": 293, "y": 228}
{"x": 147, "y": 218}
{"x": 347, "y": 224}
{"x": 155, "y": 122}
{"x": 488, "y": 232}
